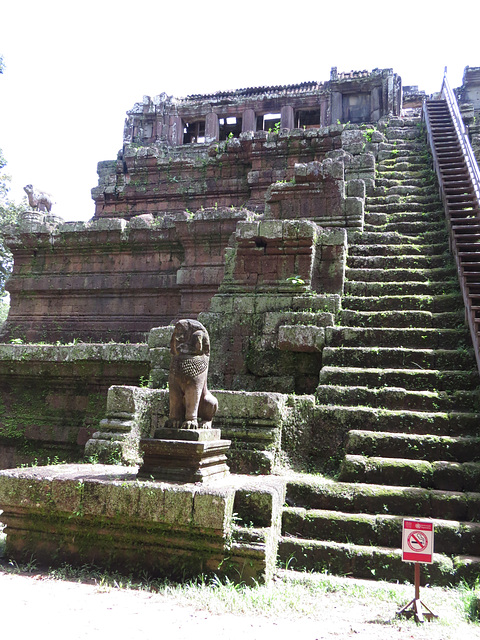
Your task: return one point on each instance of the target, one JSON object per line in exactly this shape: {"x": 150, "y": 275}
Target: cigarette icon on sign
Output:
{"x": 417, "y": 541}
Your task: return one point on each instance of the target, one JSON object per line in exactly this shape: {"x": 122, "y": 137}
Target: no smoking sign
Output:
{"x": 417, "y": 541}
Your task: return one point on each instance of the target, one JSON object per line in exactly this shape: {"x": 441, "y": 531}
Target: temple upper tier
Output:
{"x": 357, "y": 96}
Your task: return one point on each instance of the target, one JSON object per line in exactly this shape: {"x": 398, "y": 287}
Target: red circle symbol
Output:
{"x": 417, "y": 541}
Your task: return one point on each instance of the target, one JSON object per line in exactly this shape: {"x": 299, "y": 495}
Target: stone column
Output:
{"x": 375, "y": 104}
{"x": 390, "y": 109}
{"x": 323, "y": 113}
{"x": 212, "y": 129}
{"x": 287, "y": 117}
{"x": 337, "y": 110}
{"x": 249, "y": 120}
{"x": 175, "y": 131}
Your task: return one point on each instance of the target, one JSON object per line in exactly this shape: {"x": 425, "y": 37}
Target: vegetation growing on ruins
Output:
{"x": 9, "y": 212}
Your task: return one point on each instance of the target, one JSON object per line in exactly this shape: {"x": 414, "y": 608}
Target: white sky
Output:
{"x": 73, "y": 69}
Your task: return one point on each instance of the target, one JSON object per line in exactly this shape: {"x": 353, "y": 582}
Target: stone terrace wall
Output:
{"x": 158, "y": 179}
{"x": 112, "y": 280}
{"x": 115, "y": 279}
{"x": 52, "y": 398}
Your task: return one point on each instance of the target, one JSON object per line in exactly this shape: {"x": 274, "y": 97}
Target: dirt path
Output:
{"x": 37, "y": 605}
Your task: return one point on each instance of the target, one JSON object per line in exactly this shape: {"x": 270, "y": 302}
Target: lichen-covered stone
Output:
{"x": 101, "y": 514}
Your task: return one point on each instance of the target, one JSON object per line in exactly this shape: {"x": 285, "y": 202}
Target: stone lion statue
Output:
{"x": 192, "y": 406}
{"x": 38, "y": 200}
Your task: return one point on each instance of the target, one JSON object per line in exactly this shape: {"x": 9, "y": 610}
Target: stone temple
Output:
{"x": 325, "y": 234}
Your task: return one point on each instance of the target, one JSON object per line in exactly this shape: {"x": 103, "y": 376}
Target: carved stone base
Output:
{"x": 184, "y": 455}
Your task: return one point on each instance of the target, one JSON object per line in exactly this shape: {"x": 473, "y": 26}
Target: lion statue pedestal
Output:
{"x": 187, "y": 449}
{"x": 181, "y": 455}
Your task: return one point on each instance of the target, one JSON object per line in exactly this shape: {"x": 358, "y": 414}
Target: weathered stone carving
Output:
{"x": 38, "y": 200}
{"x": 192, "y": 406}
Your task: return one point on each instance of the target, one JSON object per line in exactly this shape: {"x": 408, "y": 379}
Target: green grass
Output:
{"x": 293, "y": 595}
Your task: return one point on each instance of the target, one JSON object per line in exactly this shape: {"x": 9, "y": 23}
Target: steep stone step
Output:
{"x": 400, "y": 189}
{"x": 392, "y": 150}
{"x": 403, "y": 170}
{"x": 405, "y": 337}
{"x": 441, "y": 475}
{"x": 430, "y": 219}
{"x": 404, "y": 228}
{"x": 394, "y": 237}
{"x": 399, "y": 159}
{"x": 400, "y": 275}
{"x": 323, "y": 516}
{"x": 394, "y": 154}
{"x": 403, "y": 149}
{"x": 413, "y": 446}
{"x": 399, "y": 206}
{"x": 397, "y": 249}
{"x": 406, "y": 121}
{"x": 443, "y": 380}
{"x": 405, "y": 176}
{"x": 402, "y": 160}
{"x": 315, "y": 492}
{"x": 373, "y": 562}
{"x": 393, "y": 197}
{"x": 453, "y": 423}
{"x": 426, "y": 288}
{"x": 382, "y": 530}
{"x": 398, "y": 386}
{"x": 384, "y": 181}
{"x": 402, "y": 318}
{"x": 403, "y": 132}
{"x": 414, "y": 126}
{"x": 419, "y": 140}
{"x": 381, "y": 218}
{"x": 434, "y": 304}
{"x": 398, "y": 357}
{"x": 398, "y": 398}
{"x": 405, "y": 261}
{"x": 400, "y": 151}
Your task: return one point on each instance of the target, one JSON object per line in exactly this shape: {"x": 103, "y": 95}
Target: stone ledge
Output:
{"x": 104, "y": 515}
{"x": 74, "y": 352}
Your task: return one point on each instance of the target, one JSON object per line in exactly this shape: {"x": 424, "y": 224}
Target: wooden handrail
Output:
{"x": 449, "y": 96}
{"x": 474, "y": 174}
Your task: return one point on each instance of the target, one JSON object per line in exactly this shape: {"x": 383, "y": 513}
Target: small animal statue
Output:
{"x": 38, "y": 200}
{"x": 192, "y": 406}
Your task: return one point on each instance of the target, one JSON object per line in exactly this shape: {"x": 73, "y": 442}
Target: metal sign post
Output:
{"x": 417, "y": 547}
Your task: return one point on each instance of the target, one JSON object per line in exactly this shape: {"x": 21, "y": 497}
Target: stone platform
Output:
{"x": 184, "y": 455}
{"x": 103, "y": 515}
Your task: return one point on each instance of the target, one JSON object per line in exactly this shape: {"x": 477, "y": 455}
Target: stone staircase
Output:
{"x": 399, "y": 380}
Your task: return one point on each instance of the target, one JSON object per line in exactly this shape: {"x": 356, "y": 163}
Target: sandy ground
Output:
{"x": 38, "y": 606}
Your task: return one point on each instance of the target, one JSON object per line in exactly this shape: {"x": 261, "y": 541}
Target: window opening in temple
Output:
{"x": 194, "y": 131}
{"x": 356, "y": 107}
{"x": 148, "y": 130}
{"x": 229, "y": 127}
{"x": 307, "y": 119}
{"x": 268, "y": 122}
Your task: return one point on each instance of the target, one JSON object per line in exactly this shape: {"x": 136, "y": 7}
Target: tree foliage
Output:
{"x": 9, "y": 213}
